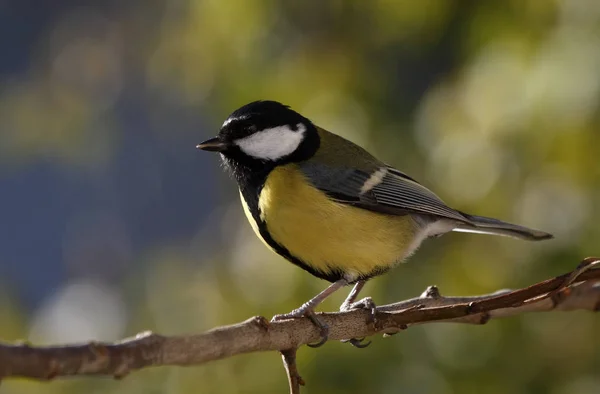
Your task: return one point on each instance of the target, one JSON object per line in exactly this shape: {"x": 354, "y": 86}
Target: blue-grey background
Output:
{"x": 111, "y": 222}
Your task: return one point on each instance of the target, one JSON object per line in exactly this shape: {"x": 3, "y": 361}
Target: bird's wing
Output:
{"x": 384, "y": 190}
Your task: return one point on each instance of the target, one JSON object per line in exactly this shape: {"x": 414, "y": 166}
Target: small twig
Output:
{"x": 289, "y": 363}
{"x": 586, "y": 264}
{"x": 579, "y": 289}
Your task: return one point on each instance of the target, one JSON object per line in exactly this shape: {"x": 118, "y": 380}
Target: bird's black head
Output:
{"x": 262, "y": 135}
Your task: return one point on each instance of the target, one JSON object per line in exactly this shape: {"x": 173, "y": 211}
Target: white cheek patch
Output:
{"x": 274, "y": 143}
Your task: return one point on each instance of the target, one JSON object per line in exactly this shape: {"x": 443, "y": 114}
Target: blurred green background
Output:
{"x": 112, "y": 223}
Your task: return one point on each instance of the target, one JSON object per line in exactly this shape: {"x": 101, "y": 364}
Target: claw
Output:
{"x": 322, "y": 326}
{"x": 318, "y": 344}
{"x": 358, "y": 343}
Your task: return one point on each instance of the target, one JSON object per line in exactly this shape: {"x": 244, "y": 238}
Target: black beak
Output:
{"x": 213, "y": 145}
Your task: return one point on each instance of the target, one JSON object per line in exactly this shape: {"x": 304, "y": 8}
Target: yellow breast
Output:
{"x": 327, "y": 235}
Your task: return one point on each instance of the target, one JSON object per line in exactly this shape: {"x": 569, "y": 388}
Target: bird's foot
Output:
{"x": 307, "y": 311}
{"x": 368, "y": 304}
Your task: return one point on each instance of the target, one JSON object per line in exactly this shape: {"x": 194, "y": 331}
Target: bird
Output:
{"x": 330, "y": 207}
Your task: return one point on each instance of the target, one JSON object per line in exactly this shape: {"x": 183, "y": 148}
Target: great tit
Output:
{"x": 327, "y": 205}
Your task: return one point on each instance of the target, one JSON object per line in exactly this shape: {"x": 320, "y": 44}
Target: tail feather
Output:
{"x": 484, "y": 225}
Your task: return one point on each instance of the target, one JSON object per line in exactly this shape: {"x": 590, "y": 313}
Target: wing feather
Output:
{"x": 395, "y": 193}
{"x": 398, "y": 191}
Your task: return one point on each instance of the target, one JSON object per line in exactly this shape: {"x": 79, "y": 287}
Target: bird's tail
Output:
{"x": 483, "y": 225}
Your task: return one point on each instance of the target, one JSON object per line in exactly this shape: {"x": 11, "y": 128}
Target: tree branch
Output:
{"x": 579, "y": 289}
{"x": 289, "y": 363}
